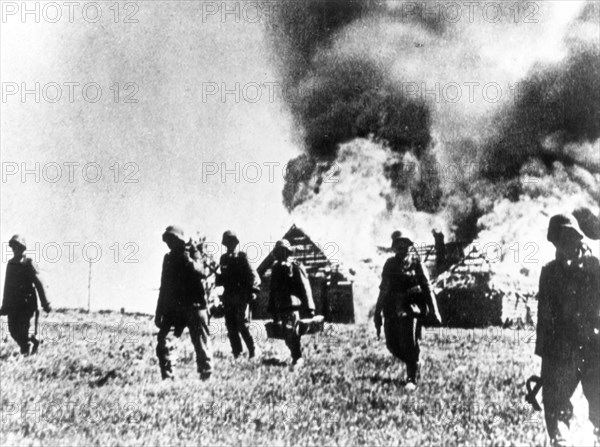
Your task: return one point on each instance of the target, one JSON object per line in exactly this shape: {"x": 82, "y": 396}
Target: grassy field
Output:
{"x": 95, "y": 381}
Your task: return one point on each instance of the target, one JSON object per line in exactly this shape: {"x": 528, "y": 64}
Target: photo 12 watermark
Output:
{"x": 69, "y": 412}
{"x": 69, "y": 172}
{"x": 248, "y": 11}
{"x": 70, "y": 92}
{"x": 70, "y": 252}
{"x": 102, "y": 12}
{"x": 267, "y": 171}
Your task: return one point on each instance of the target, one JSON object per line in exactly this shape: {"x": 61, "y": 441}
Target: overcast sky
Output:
{"x": 168, "y": 137}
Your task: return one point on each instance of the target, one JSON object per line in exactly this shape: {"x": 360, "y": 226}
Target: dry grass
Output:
{"x": 98, "y": 384}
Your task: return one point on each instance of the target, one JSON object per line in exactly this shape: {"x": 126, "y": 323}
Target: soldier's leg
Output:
{"x": 244, "y": 328}
{"x": 198, "y": 327}
{"x": 292, "y": 335}
{"x": 590, "y": 382}
{"x": 233, "y": 332}
{"x": 559, "y": 376}
{"x": 162, "y": 352}
{"x": 409, "y": 343}
{"x": 392, "y": 336}
{"x": 18, "y": 326}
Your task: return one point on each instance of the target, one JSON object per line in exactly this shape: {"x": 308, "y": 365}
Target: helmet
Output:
{"x": 175, "y": 231}
{"x": 401, "y": 241}
{"x": 285, "y": 244}
{"x": 396, "y": 234}
{"x": 17, "y": 240}
{"x": 229, "y": 236}
{"x": 559, "y": 222}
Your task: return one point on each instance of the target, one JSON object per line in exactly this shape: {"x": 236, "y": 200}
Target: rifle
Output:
{"x": 532, "y": 391}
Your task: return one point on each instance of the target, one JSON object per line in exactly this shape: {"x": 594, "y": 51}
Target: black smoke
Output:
{"x": 342, "y": 97}
{"x": 561, "y": 102}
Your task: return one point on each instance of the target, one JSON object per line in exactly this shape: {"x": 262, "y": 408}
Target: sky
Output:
{"x": 159, "y": 146}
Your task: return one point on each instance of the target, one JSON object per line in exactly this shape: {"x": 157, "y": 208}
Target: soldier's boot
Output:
{"x": 559, "y": 436}
{"x": 162, "y": 352}
{"x": 165, "y": 370}
{"x": 34, "y": 344}
{"x": 412, "y": 375}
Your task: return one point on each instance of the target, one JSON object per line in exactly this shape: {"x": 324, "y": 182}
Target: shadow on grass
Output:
{"x": 273, "y": 361}
{"x": 376, "y": 378}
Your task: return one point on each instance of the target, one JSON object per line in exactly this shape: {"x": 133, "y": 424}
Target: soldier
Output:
{"x": 405, "y": 298}
{"x": 241, "y": 287}
{"x": 181, "y": 304}
{"x": 290, "y": 293}
{"x": 20, "y": 301}
{"x": 568, "y": 339}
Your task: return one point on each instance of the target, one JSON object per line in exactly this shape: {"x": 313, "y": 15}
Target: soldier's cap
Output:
{"x": 17, "y": 239}
{"x": 174, "y": 231}
{"x": 558, "y": 223}
{"x": 229, "y": 236}
{"x": 401, "y": 242}
{"x": 396, "y": 234}
{"x": 285, "y": 244}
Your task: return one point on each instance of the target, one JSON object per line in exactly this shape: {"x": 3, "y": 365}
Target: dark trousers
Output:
{"x": 196, "y": 320}
{"x": 402, "y": 334}
{"x": 238, "y": 324}
{"x": 560, "y": 376}
{"x": 291, "y": 332}
{"x": 18, "y": 326}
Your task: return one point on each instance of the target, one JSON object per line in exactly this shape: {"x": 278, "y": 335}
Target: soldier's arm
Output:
{"x": 5, "y": 295}
{"x": 544, "y": 323}
{"x": 219, "y": 280}
{"x": 384, "y": 288}
{"x": 252, "y": 276}
{"x": 39, "y": 286}
{"x": 161, "y": 292}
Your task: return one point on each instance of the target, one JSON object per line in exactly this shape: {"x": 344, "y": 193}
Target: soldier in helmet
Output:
{"x": 405, "y": 299}
{"x": 290, "y": 294}
{"x": 240, "y": 288}
{"x": 181, "y": 304}
{"x": 568, "y": 339}
{"x": 20, "y": 300}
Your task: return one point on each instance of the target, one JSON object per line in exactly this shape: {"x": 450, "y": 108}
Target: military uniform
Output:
{"x": 567, "y": 335}
{"x": 405, "y": 298}
{"x": 240, "y": 284}
{"x": 20, "y": 300}
{"x": 290, "y": 294}
{"x": 181, "y": 304}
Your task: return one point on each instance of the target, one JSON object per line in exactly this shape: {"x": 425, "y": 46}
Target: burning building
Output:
{"x": 374, "y": 110}
{"x": 331, "y": 288}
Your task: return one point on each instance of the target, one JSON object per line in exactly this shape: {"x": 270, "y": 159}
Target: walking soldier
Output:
{"x": 240, "y": 288}
{"x": 20, "y": 300}
{"x": 181, "y": 304}
{"x": 405, "y": 298}
{"x": 568, "y": 339}
{"x": 290, "y": 294}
